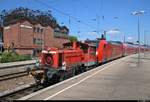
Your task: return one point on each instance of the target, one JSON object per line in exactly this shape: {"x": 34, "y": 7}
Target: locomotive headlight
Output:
{"x": 64, "y": 65}
{"x": 96, "y": 53}
{"x": 49, "y": 59}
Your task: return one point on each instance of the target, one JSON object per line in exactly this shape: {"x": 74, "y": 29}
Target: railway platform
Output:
{"x": 15, "y": 67}
{"x": 10, "y": 64}
{"x": 121, "y": 79}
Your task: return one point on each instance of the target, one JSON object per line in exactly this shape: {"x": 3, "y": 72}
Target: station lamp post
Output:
{"x": 138, "y": 14}
{"x": 145, "y": 42}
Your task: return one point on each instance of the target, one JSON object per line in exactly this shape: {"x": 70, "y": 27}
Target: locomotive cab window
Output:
{"x": 93, "y": 50}
{"x": 67, "y": 45}
{"x": 84, "y": 48}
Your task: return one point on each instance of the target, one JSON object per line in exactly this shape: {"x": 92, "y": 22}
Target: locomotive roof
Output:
{"x": 80, "y": 43}
{"x": 131, "y": 45}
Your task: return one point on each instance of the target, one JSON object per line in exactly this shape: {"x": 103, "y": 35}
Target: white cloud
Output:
{"x": 130, "y": 38}
{"x": 92, "y": 33}
{"x": 113, "y": 32}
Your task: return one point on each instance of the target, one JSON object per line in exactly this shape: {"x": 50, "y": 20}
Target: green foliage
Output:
{"x": 73, "y": 38}
{"x": 45, "y": 18}
{"x": 12, "y": 57}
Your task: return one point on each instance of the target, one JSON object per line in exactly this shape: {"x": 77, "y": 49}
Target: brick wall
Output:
{"x": 26, "y": 37}
{"x": 25, "y": 34}
{"x": 1, "y": 33}
{"x": 10, "y": 35}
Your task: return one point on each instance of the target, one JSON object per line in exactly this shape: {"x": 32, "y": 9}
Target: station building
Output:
{"x": 28, "y": 38}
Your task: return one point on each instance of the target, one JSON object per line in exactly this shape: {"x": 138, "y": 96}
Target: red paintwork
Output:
{"x": 130, "y": 49}
{"x": 72, "y": 55}
{"x": 90, "y": 55}
{"x": 76, "y": 57}
{"x": 79, "y": 54}
{"x": 100, "y": 51}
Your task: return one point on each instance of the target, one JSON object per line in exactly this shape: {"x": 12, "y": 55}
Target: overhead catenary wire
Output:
{"x": 64, "y": 13}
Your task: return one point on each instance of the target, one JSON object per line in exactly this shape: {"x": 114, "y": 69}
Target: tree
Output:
{"x": 64, "y": 29}
{"x": 73, "y": 38}
{"x": 34, "y": 16}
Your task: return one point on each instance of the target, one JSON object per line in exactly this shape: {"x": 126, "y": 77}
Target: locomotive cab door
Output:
{"x": 104, "y": 53}
{"x": 60, "y": 60}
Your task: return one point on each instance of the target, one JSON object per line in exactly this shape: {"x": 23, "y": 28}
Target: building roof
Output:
{"x": 62, "y": 29}
{"x": 22, "y": 20}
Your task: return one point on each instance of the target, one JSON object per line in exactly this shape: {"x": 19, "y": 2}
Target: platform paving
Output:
{"x": 122, "y": 79}
{"x": 15, "y": 67}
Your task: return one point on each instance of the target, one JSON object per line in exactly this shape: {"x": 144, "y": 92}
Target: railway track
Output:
{"x": 20, "y": 92}
{"x": 13, "y": 71}
{"x": 30, "y": 89}
{"x": 7, "y": 69}
{"x": 26, "y": 90}
{"x": 14, "y": 75}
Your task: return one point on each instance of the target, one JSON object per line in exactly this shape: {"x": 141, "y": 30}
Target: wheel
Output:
{"x": 73, "y": 71}
{"x": 84, "y": 69}
{"x": 62, "y": 75}
{"x": 45, "y": 82}
{"x": 77, "y": 70}
{"x": 55, "y": 78}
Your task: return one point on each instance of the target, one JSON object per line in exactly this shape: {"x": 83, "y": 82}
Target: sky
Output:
{"x": 88, "y": 19}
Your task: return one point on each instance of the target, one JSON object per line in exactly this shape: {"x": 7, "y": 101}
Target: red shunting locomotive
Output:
{"x": 58, "y": 64}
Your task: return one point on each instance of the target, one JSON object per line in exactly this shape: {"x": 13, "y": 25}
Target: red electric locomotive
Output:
{"x": 107, "y": 51}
